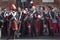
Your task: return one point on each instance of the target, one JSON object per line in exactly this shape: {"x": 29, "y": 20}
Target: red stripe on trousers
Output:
{"x": 54, "y": 25}
{"x": 50, "y": 22}
{"x": 37, "y": 27}
{"x": 59, "y": 25}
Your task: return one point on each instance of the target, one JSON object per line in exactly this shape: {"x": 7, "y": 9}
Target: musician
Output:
{"x": 56, "y": 13}
{"x": 46, "y": 20}
{"x": 28, "y": 17}
{"x": 19, "y": 20}
{"x": 59, "y": 21}
{"x": 27, "y": 10}
{"x": 11, "y": 21}
{"x": 41, "y": 12}
{"x": 4, "y": 29}
{"x": 50, "y": 20}
{"x": 24, "y": 23}
{"x": 1, "y": 22}
{"x": 35, "y": 22}
{"x": 6, "y": 23}
{"x": 54, "y": 20}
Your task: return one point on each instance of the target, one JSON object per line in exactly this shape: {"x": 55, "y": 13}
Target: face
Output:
{"x": 46, "y": 8}
{"x": 19, "y": 9}
{"x": 55, "y": 8}
{"x": 33, "y": 8}
{"x": 24, "y": 12}
{"x": 26, "y": 9}
{"x": 41, "y": 8}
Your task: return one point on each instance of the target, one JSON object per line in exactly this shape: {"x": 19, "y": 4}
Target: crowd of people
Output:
{"x": 30, "y": 22}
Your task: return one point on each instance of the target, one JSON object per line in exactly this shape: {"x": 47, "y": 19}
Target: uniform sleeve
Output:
{"x": 2, "y": 16}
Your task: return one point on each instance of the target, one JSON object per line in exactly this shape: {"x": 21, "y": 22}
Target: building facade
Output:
{"x": 37, "y": 2}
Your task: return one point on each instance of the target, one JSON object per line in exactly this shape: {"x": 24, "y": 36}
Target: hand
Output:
{"x": 1, "y": 20}
{"x": 31, "y": 16}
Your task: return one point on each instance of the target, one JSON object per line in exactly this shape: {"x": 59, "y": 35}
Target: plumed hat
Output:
{"x": 12, "y": 7}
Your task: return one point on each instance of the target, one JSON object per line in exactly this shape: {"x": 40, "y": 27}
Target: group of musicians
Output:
{"x": 29, "y": 21}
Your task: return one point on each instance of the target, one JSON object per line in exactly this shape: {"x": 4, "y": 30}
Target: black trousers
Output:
{"x": 4, "y": 29}
{"x": 33, "y": 31}
{"x": 47, "y": 22}
{"x": 41, "y": 27}
{"x": 24, "y": 29}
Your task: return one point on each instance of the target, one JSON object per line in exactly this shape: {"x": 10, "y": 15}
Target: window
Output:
{"x": 4, "y": 0}
{"x": 47, "y": 0}
{"x": 23, "y": 0}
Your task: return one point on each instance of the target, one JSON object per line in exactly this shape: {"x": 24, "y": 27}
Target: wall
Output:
{"x": 37, "y": 2}
{"x": 5, "y": 4}
{"x": 56, "y": 3}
